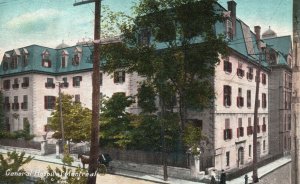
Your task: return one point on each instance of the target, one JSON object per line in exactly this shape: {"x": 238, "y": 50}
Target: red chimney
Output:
{"x": 232, "y": 8}
{"x": 257, "y": 35}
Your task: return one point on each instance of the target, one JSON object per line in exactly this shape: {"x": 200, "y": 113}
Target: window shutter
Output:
{"x": 238, "y": 132}
{"x": 230, "y": 67}
{"x": 123, "y": 76}
{"x": 224, "y": 134}
{"x": 45, "y": 102}
{"x": 230, "y": 133}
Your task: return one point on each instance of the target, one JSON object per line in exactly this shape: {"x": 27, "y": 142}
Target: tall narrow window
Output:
{"x": 49, "y": 102}
{"x": 24, "y": 105}
{"x": 264, "y": 100}
{"x": 50, "y": 83}
{"x": 15, "y": 84}
{"x": 250, "y": 150}
{"x": 77, "y": 56}
{"x": 263, "y": 78}
{"x": 25, "y": 83}
{"x": 14, "y": 62}
{"x": 240, "y": 99}
{"x": 227, "y": 158}
{"x": 248, "y": 98}
{"x": 76, "y": 81}
{"x": 15, "y": 105}
{"x": 119, "y": 77}
{"x": 65, "y": 83}
{"x": 240, "y": 72}
{"x": 227, "y": 65}
{"x": 6, "y": 104}
{"x": 227, "y": 96}
{"x": 249, "y": 127}
{"x": 64, "y": 58}
{"x": 6, "y": 84}
{"x": 240, "y": 129}
{"x": 25, "y": 57}
{"x": 227, "y": 130}
{"x": 46, "y": 62}
{"x": 250, "y": 73}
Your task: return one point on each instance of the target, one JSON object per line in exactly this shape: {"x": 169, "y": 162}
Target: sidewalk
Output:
{"x": 262, "y": 171}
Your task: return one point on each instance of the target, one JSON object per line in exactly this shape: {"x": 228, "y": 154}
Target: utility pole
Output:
{"x": 61, "y": 118}
{"x": 94, "y": 149}
{"x": 257, "y": 77}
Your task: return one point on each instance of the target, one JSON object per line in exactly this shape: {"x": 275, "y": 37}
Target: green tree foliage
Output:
{"x": 76, "y": 119}
{"x": 192, "y": 137}
{"x": 12, "y": 164}
{"x": 115, "y": 121}
{"x": 64, "y": 175}
{"x": 180, "y": 56}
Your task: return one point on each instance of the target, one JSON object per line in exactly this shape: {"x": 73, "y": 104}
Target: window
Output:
{"x": 250, "y": 73}
{"x": 46, "y": 62}
{"x": 227, "y": 158}
{"x": 15, "y": 84}
{"x": 25, "y": 83}
{"x": 258, "y": 126}
{"x": 76, "y": 81}
{"x": 289, "y": 122}
{"x": 144, "y": 37}
{"x": 249, "y": 127}
{"x": 227, "y": 65}
{"x": 24, "y": 105}
{"x": 14, "y": 62}
{"x": 240, "y": 99}
{"x": 250, "y": 150}
{"x": 64, "y": 59}
{"x": 119, "y": 77}
{"x": 264, "y": 100}
{"x": 248, "y": 98}
{"x": 5, "y": 65}
{"x": 50, "y": 83}
{"x": 264, "y": 126}
{"x": 229, "y": 30}
{"x": 25, "y": 57}
{"x": 15, "y": 105}
{"x": 227, "y": 96}
{"x": 101, "y": 78}
{"x": 264, "y": 145}
{"x": 227, "y": 130}
{"x": 6, "y": 104}
{"x": 77, "y": 56}
{"x": 65, "y": 83}
{"x": 49, "y": 102}
{"x": 6, "y": 60}
{"x": 240, "y": 129}
{"x": 6, "y": 84}
{"x": 240, "y": 72}
{"x": 263, "y": 79}
{"x": 77, "y": 98}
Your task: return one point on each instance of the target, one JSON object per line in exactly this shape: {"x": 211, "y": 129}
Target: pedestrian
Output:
{"x": 223, "y": 177}
{"x": 213, "y": 180}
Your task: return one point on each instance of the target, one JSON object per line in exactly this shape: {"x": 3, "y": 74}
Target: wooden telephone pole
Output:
{"x": 257, "y": 78}
{"x": 94, "y": 149}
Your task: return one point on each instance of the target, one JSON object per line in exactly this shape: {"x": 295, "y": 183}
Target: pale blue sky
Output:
{"x": 48, "y": 22}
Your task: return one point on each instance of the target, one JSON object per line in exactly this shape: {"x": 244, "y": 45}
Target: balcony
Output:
{"x": 15, "y": 86}
{"x": 15, "y": 106}
{"x": 24, "y": 105}
{"x": 25, "y": 85}
{"x": 49, "y": 85}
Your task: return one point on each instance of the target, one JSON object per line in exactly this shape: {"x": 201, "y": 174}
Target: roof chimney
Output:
{"x": 257, "y": 35}
{"x": 232, "y": 8}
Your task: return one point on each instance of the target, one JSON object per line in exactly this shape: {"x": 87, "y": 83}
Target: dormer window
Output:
{"x": 64, "y": 58}
{"x": 77, "y": 56}
{"x": 25, "y": 57}
{"x": 14, "y": 59}
{"x": 6, "y": 60}
{"x": 46, "y": 62}
{"x": 229, "y": 30}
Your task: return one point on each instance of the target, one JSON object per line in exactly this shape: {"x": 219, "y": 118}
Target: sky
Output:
{"x": 49, "y": 22}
